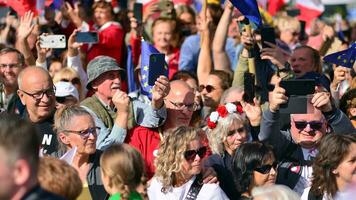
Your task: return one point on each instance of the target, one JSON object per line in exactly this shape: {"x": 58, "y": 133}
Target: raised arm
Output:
{"x": 205, "y": 63}
{"x": 23, "y": 31}
{"x": 221, "y": 59}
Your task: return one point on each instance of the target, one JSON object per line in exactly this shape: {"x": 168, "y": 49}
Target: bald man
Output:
{"x": 180, "y": 107}
{"x": 37, "y": 93}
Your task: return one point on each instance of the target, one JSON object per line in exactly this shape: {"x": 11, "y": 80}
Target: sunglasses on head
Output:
{"x": 73, "y": 81}
{"x": 209, "y": 88}
{"x": 190, "y": 154}
{"x": 266, "y": 169}
{"x": 315, "y": 125}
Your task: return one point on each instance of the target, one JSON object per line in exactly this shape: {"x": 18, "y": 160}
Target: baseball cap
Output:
{"x": 64, "y": 89}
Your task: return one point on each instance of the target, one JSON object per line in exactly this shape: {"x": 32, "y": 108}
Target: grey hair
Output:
{"x": 218, "y": 135}
{"x": 275, "y": 192}
{"x": 228, "y": 91}
{"x": 63, "y": 117}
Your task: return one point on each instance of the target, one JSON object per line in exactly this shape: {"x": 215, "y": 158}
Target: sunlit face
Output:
{"x": 107, "y": 84}
{"x": 268, "y": 178}
{"x": 179, "y": 116}
{"x": 38, "y": 83}
{"x": 72, "y": 138}
{"x": 10, "y": 68}
{"x": 289, "y": 36}
{"x": 212, "y": 98}
{"x": 102, "y": 15}
{"x": 162, "y": 35}
{"x": 194, "y": 85}
{"x": 191, "y": 168}
{"x": 237, "y": 135}
{"x": 346, "y": 170}
{"x": 302, "y": 62}
{"x": 311, "y": 134}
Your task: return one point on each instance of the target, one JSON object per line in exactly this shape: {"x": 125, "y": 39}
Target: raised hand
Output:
{"x": 253, "y": 111}
{"x": 340, "y": 74}
{"x": 26, "y": 26}
{"x": 41, "y": 52}
{"x": 159, "y": 91}
{"x": 277, "y": 97}
{"x": 275, "y": 54}
{"x": 321, "y": 101}
{"x": 121, "y": 101}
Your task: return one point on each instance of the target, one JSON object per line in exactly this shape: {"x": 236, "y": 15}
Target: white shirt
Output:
{"x": 207, "y": 192}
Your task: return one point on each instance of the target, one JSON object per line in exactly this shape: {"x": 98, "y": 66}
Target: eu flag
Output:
{"x": 146, "y": 50}
{"x": 249, "y": 9}
{"x": 345, "y": 58}
{"x": 131, "y": 82}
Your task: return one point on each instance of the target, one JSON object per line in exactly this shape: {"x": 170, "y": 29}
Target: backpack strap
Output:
{"x": 195, "y": 188}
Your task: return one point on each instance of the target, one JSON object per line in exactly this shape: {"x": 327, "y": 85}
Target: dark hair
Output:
{"x": 19, "y": 140}
{"x": 184, "y": 75}
{"x": 332, "y": 150}
{"x": 20, "y": 56}
{"x": 347, "y": 101}
{"x": 225, "y": 78}
{"x": 315, "y": 55}
{"x": 248, "y": 157}
{"x": 216, "y": 12}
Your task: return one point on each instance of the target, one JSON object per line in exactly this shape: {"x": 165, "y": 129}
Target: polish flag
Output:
{"x": 275, "y": 5}
{"x": 309, "y": 10}
{"x": 21, "y": 6}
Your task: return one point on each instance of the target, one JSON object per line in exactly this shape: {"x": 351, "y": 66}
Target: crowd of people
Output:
{"x": 72, "y": 127}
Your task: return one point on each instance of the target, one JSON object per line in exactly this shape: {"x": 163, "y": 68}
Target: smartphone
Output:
{"x": 157, "y": 66}
{"x": 302, "y": 35}
{"x": 87, "y": 37}
{"x": 138, "y": 12}
{"x": 293, "y": 12}
{"x": 53, "y": 41}
{"x": 298, "y": 87}
{"x": 268, "y": 34}
{"x": 249, "y": 87}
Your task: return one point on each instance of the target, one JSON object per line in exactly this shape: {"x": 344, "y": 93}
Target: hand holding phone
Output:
{"x": 87, "y": 37}
{"x": 138, "y": 12}
{"x": 268, "y": 34}
{"x": 249, "y": 87}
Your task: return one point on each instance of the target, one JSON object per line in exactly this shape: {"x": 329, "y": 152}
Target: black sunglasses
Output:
{"x": 266, "y": 169}
{"x": 208, "y": 88}
{"x": 190, "y": 154}
{"x": 73, "y": 81}
{"x": 315, "y": 125}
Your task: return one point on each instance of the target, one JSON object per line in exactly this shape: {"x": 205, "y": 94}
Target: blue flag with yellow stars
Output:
{"x": 345, "y": 58}
{"x": 249, "y": 9}
{"x": 146, "y": 50}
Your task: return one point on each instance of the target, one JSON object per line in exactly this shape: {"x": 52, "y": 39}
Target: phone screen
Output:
{"x": 157, "y": 67}
{"x": 249, "y": 87}
{"x": 268, "y": 34}
{"x": 87, "y": 37}
{"x": 138, "y": 12}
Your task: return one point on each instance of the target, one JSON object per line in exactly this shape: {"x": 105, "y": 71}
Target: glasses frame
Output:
{"x": 84, "y": 134}
{"x": 33, "y": 95}
{"x": 312, "y": 124}
{"x": 190, "y": 155}
{"x": 192, "y": 109}
{"x": 266, "y": 169}
{"x": 206, "y": 87}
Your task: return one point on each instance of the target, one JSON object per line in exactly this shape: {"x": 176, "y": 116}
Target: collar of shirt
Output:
{"x": 308, "y": 153}
{"x": 107, "y": 107}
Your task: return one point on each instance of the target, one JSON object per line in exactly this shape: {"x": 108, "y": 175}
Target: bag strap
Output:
{"x": 195, "y": 188}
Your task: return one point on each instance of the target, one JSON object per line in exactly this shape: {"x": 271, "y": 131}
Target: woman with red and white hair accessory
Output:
{"x": 228, "y": 129}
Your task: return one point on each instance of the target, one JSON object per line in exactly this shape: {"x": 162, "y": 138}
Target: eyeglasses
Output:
{"x": 39, "y": 95}
{"x": 266, "y": 169}
{"x": 84, "y": 134}
{"x": 239, "y": 130}
{"x": 73, "y": 81}
{"x": 315, "y": 125}
{"x": 191, "y": 154}
{"x": 12, "y": 65}
{"x": 209, "y": 88}
{"x": 181, "y": 106}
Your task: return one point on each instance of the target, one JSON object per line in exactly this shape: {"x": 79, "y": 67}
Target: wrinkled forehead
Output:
{"x": 182, "y": 96}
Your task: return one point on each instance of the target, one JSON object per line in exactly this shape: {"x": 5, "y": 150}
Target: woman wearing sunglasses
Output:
{"x": 334, "y": 168}
{"x": 179, "y": 164}
{"x": 227, "y": 131}
{"x": 254, "y": 164}
{"x": 76, "y": 129}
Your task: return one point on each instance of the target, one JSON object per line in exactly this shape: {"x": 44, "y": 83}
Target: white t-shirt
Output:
{"x": 207, "y": 192}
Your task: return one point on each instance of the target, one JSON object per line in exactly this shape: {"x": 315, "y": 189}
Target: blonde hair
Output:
{"x": 171, "y": 154}
{"x": 68, "y": 74}
{"x": 59, "y": 177}
{"x": 218, "y": 135}
{"x": 287, "y": 23}
{"x": 124, "y": 166}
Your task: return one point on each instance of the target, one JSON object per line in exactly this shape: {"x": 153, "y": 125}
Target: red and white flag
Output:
{"x": 309, "y": 10}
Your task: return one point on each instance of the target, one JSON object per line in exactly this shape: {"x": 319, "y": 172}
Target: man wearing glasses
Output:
{"x": 180, "y": 107}
{"x": 37, "y": 93}
{"x": 296, "y": 148}
{"x": 11, "y": 64}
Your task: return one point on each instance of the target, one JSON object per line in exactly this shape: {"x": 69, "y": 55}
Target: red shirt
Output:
{"x": 146, "y": 141}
